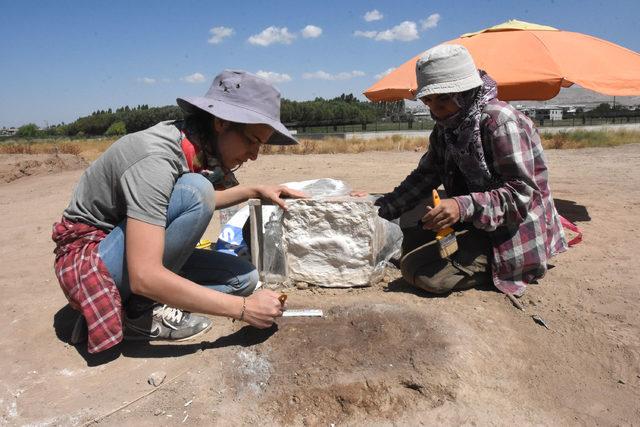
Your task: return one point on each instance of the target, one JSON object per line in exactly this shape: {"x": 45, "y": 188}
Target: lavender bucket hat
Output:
{"x": 242, "y": 97}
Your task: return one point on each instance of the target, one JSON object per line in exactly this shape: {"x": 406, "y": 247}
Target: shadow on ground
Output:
{"x": 572, "y": 211}
{"x": 401, "y": 285}
{"x": 65, "y": 318}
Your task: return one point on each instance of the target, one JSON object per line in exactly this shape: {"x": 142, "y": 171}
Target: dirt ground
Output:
{"x": 384, "y": 355}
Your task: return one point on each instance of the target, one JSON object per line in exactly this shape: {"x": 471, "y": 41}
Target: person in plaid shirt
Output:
{"x": 489, "y": 158}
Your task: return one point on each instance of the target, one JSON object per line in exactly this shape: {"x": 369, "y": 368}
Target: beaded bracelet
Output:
{"x": 244, "y": 306}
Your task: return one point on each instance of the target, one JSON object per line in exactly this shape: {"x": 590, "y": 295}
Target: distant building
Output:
{"x": 550, "y": 113}
{"x": 542, "y": 113}
{"x": 421, "y": 115}
{"x": 8, "y": 131}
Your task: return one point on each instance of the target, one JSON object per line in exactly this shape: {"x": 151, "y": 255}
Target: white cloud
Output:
{"x": 146, "y": 80}
{"x": 405, "y": 32}
{"x": 272, "y": 35}
{"x": 219, "y": 33}
{"x": 384, "y": 73}
{"x": 367, "y": 34}
{"x": 323, "y": 75}
{"x": 194, "y": 78}
{"x": 311, "y": 32}
{"x": 273, "y": 77}
{"x": 431, "y": 21}
{"x": 373, "y": 15}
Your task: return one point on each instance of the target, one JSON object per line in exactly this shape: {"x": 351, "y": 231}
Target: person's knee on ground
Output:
{"x": 422, "y": 268}
{"x": 446, "y": 280}
{"x": 248, "y": 283}
{"x": 468, "y": 267}
{"x": 427, "y": 271}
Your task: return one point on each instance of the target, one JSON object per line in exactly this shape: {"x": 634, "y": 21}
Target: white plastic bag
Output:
{"x": 230, "y": 240}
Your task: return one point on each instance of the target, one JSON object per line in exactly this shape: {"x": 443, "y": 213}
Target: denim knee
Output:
{"x": 248, "y": 283}
{"x": 199, "y": 187}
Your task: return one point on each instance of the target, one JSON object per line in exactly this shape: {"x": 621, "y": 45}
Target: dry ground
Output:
{"x": 383, "y": 355}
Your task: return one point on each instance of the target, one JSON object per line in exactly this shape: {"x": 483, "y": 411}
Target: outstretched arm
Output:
{"x": 148, "y": 277}
{"x": 416, "y": 186}
{"x": 242, "y": 193}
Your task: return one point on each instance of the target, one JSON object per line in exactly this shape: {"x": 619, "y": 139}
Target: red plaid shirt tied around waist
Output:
{"x": 517, "y": 209}
{"x": 86, "y": 282}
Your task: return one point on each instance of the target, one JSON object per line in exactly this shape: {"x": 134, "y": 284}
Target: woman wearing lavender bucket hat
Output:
{"x": 490, "y": 160}
{"x": 125, "y": 246}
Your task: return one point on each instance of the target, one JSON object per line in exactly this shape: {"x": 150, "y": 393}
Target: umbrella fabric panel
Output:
{"x": 594, "y": 63}
{"x": 518, "y": 61}
{"x": 533, "y": 64}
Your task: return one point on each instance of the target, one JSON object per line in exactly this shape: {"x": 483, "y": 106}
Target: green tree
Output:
{"x": 116, "y": 128}
{"x": 95, "y": 124}
{"x": 601, "y": 110}
{"x": 29, "y": 130}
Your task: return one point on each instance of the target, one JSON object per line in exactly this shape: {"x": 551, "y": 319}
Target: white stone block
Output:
{"x": 333, "y": 242}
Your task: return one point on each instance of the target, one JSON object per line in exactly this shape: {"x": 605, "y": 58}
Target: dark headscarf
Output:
{"x": 461, "y": 131}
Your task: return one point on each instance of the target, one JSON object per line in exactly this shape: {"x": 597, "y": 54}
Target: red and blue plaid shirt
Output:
{"x": 86, "y": 282}
{"x": 518, "y": 212}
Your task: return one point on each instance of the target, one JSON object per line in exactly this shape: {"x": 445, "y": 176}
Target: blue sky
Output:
{"x": 63, "y": 59}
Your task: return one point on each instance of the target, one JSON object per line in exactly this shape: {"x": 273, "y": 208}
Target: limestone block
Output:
{"x": 333, "y": 242}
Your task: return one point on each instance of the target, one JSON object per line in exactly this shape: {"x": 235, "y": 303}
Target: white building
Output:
{"x": 8, "y": 131}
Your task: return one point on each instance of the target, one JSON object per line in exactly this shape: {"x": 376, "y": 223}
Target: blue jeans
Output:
{"x": 190, "y": 210}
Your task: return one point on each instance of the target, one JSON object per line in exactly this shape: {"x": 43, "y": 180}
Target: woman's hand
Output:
{"x": 276, "y": 192}
{"x": 262, "y": 308}
{"x": 358, "y": 193}
{"x": 444, "y": 215}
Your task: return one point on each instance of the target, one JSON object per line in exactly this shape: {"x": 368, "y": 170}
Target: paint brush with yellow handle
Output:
{"x": 446, "y": 237}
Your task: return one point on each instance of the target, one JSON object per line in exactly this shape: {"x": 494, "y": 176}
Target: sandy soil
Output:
{"x": 383, "y": 355}
{"x": 16, "y": 166}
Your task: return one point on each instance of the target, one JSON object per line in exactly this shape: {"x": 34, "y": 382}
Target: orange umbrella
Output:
{"x": 531, "y": 61}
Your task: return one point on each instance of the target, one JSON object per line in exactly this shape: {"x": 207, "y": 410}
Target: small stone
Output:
{"x": 302, "y": 285}
{"x": 157, "y": 378}
{"x": 621, "y": 382}
{"x": 158, "y": 412}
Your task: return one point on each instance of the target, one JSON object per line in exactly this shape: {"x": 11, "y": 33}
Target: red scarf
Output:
{"x": 209, "y": 166}
{"x": 191, "y": 152}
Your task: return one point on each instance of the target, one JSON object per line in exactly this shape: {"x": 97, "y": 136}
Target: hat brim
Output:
{"x": 455, "y": 86}
{"x": 234, "y": 113}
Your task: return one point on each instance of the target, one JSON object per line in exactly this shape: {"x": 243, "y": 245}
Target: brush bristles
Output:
{"x": 448, "y": 245}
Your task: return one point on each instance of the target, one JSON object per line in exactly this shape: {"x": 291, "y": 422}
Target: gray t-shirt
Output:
{"x": 133, "y": 178}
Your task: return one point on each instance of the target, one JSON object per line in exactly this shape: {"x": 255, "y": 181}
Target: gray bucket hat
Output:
{"x": 242, "y": 97}
{"x": 446, "y": 68}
